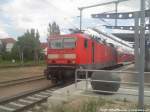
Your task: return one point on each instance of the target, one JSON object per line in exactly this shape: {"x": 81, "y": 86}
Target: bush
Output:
{"x": 90, "y": 105}
{"x": 94, "y": 105}
{"x": 1, "y": 58}
{"x": 6, "y": 56}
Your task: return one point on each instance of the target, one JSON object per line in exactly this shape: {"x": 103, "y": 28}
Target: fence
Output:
{"x": 131, "y": 84}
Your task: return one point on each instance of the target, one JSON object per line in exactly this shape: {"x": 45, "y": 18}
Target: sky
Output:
{"x": 16, "y": 16}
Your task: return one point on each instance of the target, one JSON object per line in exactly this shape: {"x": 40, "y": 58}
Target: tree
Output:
{"x": 27, "y": 46}
{"x": 53, "y": 29}
{"x": 58, "y": 30}
{"x": 4, "y": 55}
{"x": 49, "y": 29}
{"x": 3, "y": 47}
{"x": 37, "y": 46}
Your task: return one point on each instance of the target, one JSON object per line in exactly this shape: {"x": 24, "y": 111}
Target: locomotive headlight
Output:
{"x": 69, "y": 56}
{"x": 53, "y": 56}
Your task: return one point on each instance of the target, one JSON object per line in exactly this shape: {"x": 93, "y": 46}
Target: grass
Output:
{"x": 8, "y": 64}
{"x": 12, "y": 73}
{"x": 93, "y": 105}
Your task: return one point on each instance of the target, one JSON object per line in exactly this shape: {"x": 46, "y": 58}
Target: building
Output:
{"x": 8, "y": 43}
{"x": 44, "y": 47}
{"x": 1, "y": 46}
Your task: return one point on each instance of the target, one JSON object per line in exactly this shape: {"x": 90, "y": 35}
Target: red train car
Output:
{"x": 124, "y": 56}
{"x": 69, "y": 52}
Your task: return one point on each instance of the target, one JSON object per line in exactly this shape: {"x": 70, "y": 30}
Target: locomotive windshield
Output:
{"x": 63, "y": 43}
{"x": 56, "y": 44}
{"x": 69, "y": 43}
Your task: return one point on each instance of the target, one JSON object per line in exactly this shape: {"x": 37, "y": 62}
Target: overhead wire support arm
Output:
{"x": 101, "y": 4}
{"x": 131, "y": 28}
{"x": 96, "y": 5}
{"x": 124, "y": 15}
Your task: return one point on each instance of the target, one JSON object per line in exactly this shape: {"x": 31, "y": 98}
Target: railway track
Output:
{"x": 22, "y": 80}
{"x": 27, "y": 100}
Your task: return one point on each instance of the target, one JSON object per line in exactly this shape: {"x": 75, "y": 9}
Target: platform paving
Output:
{"x": 71, "y": 92}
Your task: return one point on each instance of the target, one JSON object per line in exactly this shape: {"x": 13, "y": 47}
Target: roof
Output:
{"x": 76, "y": 35}
{"x": 43, "y": 45}
{"x": 8, "y": 40}
{"x": 126, "y": 36}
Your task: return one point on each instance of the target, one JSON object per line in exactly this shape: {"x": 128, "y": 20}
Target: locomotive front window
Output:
{"x": 56, "y": 44}
{"x": 69, "y": 42}
{"x": 63, "y": 43}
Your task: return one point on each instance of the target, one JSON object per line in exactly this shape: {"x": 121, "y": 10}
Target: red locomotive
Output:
{"x": 68, "y": 52}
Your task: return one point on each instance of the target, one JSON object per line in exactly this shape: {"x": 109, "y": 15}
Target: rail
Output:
{"x": 21, "y": 80}
{"x": 26, "y": 100}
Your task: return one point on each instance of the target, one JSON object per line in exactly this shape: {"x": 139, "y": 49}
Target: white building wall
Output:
{"x": 9, "y": 47}
{"x": 1, "y": 45}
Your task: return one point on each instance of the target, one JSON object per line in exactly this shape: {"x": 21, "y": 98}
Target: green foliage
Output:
{"x": 90, "y": 105}
{"x": 15, "y": 52}
{"x": 1, "y": 58}
{"x": 2, "y": 48}
{"x": 27, "y": 46}
{"x": 9, "y": 64}
{"x": 4, "y": 55}
{"x": 53, "y": 29}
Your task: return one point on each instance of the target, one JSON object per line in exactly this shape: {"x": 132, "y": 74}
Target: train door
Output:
{"x": 86, "y": 50}
{"x": 93, "y": 52}
{"x": 114, "y": 55}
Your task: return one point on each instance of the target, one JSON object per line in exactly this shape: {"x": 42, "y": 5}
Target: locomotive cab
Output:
{"x": 61, "y": 57}
{"x": 61, "y": 51}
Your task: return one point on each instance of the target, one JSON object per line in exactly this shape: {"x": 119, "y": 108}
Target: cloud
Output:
{"x": 26, "y": 14}
{"x": 3, "y": 32}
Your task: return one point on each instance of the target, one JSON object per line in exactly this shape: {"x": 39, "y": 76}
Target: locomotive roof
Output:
{"x": 77, "y": 35}
{"x": 109, "y": 38}
{"x": 100, "y": 36}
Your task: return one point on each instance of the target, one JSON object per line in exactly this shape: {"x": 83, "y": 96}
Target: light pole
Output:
{"x": 80, "y": 18}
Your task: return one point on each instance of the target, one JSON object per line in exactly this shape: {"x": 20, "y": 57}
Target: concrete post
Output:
{"x": 116, "y": 11}
{"x": 86, "y": 77}
{"x": 142, "y": 56}
{"x": 136, "y": 39}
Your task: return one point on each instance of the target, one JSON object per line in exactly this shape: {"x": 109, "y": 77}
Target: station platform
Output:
{"x": 125, "y": 92}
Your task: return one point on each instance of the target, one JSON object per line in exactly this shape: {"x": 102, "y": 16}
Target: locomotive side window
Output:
{"x": 85, "y": 43}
